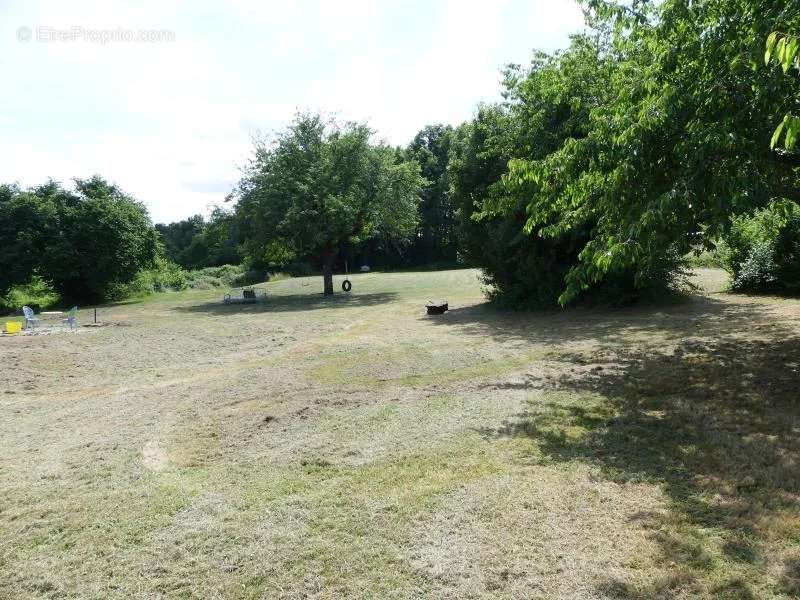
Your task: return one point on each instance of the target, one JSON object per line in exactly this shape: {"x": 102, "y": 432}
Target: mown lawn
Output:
{"x": 356, "y": 448}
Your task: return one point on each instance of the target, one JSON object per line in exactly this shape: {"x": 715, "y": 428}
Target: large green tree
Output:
{"x": 646, "y": 145}
{"x": 28, "y": 222}
{"x": 435, "y": 239}
{"x": 197, "y": 242}
{"x": 81, "y": 242}
{"x": 178, "y": 237}
{"x": 106, "y": 237}
{"x": 784, "y": 49}
{"x": 479, "y": 153}
{"x": 546, "y": 104}
{"x": 320, "y": 186}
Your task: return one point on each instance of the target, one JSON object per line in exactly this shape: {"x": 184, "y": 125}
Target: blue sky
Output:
{"x": 171, "y": 120}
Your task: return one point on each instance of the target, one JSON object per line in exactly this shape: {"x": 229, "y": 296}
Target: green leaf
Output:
{"x": 771, "y": 41}
{"x": 791, "y": 54}
{"x": 791, "y": 135}
{"x": 776, "y": 136}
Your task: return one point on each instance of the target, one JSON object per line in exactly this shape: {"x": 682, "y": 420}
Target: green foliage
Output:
{"x": 546, "y": 105}
{"x": 164, "y": 276}
{"x": 28, "y": 220}
{"x": 106, "y": 238}
{"x": 638, "y": 143}
{"x": 479, "y": 153}
{"x": 603, "y": 167}
{"x": 519, "y": 269}
{"x": 177, "y": 238}
{"x": 225, "y": 276}
{"x": 195, "y": 242}
{"x": 435, "y": 238}
{"x": 785, "y": 50}
{"x": 762, "y": 250}
{"x": 704, "y": 258}
{"x": 321, "y": 187}
{"x": 83, "y": 243}
{"x": 37, "y": 294}
{"x": 758, "y": 271}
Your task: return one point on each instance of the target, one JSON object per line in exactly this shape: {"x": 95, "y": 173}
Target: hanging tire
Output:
{"x": 346, "y": 285}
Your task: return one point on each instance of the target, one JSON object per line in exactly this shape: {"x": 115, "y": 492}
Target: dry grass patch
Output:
{"x": 354, "y": 447}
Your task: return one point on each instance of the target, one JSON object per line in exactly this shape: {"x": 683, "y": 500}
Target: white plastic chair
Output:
{"x": 30, "y": 318}
{"x": 72, "y": 318}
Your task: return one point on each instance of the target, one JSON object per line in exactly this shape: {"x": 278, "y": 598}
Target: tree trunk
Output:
{"x": 328, "y": 259}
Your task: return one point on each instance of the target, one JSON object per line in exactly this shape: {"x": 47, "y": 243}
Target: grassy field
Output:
{"x": 356, "y": 448}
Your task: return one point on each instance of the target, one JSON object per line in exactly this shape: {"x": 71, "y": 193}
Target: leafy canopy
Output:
{"x": 672, "y": 134}
{"x": 785, "y": 50}
{"x": 320, "y": 186}
{"x": 196, "y": 242}
{"x": 81, "y": 242}
{"x": 435, "y": 239}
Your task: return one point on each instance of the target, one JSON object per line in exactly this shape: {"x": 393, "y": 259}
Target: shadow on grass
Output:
{"x": 291, "y": 303}
{"x": 673, "y": 320}
{"x": 716, "y": 424}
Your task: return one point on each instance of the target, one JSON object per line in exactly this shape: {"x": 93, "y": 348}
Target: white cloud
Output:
{"x": 171, "y": 122}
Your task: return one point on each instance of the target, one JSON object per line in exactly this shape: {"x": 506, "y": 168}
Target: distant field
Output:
{"x": 355, "y": 448}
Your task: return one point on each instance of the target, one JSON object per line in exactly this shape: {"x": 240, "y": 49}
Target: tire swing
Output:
{"x": 346, "y": 285}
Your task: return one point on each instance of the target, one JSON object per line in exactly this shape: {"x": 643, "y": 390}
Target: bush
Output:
{"x": 528, "y": 271}
{"x": 252, "y": 276}
{"x": 165, "y": 276}
{"x": 37, "y": 294}
{"x": 214, "y": 277}
{"x": 701, "y": 258}
{"x": 762, "y": 250}
{"x": 85, "y": 243}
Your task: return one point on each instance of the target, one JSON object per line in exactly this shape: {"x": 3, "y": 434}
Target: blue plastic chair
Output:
{"x": 30, "y": 318}
{"x": 72, "y": 318}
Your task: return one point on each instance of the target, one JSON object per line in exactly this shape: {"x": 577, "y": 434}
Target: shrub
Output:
{"x": 702, "y": 258}
{"x": 528, "y": 271}
{"x": 214, "y": 277}
{"x": 762, "y": 250}
{"x": 37, "y": 293}
{"x": 165, "y": 276}
{"x": 84, "y": 243}
{"x": 252, "y": 276}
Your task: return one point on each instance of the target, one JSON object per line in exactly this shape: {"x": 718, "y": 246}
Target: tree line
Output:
{"x": 665, "y": 129}
{"x": 427, "y": 238}
{"x": 81, "y": 242}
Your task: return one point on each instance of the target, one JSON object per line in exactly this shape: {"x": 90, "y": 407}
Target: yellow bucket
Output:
{"x": 13, "y": 326}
